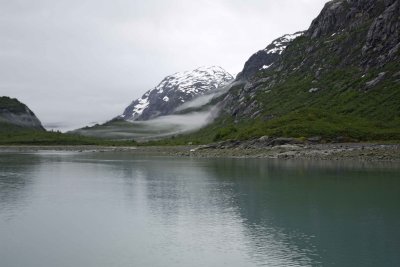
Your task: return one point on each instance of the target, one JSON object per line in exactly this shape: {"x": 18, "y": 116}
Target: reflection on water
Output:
{"x": 15, "y": 182}
{"x": 117, "y": 209}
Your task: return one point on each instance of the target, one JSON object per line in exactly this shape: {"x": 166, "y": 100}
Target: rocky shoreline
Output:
{"x": 279, "y": 148}
{"x": 340, "y": 151}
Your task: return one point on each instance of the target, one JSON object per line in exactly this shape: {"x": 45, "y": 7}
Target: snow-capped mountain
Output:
{"x": 175, "y": 90}
{"x": 265, "y": 58}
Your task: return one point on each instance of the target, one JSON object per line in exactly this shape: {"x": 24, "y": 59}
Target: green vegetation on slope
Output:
{"x": 11, "y": 104}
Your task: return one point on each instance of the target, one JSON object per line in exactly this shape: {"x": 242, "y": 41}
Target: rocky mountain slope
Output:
{"x": 175, "y": 90}
{"x": 339, "y": 80}
{"x": 265, "y": 58}
{"x": 16, "y": 114}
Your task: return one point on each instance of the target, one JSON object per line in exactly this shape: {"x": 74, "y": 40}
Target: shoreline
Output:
{"x": 331, "y": 151}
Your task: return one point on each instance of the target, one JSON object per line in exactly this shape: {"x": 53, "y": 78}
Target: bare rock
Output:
{"x": 376, "y": 81}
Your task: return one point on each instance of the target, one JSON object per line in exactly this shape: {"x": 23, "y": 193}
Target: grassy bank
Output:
{"x": 14, "y": 135}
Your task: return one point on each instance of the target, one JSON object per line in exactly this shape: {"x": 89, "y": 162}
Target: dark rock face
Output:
{"x": 265, "y": 58}
{"x": 339, "y": 15}
{"x": 383, "y": 39}
{"x": 14, "y": 112}
{"x": 175, "y": 90}
{"x": 375, "y": 81}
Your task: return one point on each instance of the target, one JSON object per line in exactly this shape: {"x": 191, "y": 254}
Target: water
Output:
{"x": 116, "y": 209}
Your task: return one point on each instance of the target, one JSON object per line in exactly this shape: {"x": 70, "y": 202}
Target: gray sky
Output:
{"x": 74, "y": 62}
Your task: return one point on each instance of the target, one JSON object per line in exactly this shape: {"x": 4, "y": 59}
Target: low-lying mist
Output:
{"x": 154, "y": 129}
{"x": 204, "y": 99}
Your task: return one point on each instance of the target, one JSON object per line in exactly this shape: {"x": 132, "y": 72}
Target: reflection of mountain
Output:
{"x": 188, "y": 210}
{"x": 15, "y": 181}
{"x": 203, "y": 198}
{"x": 326, "y": 211}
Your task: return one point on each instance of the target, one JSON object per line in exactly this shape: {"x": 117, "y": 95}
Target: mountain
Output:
{"x": 338, "y": 80}
{"x": 175, "y": 90}
{"x": 265, "y": 58}
{"x": 16, "y": 115}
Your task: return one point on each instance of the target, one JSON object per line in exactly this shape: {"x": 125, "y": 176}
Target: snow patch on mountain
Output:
{"x": 280, "y": 44}
{"x": 174, "y": 90}
{"x": 265, "y": 67}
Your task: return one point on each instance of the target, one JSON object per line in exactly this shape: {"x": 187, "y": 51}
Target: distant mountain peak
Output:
{"x": 174, "y": 90}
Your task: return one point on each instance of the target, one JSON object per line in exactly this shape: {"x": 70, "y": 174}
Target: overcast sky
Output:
{"x": 74, "y": 62}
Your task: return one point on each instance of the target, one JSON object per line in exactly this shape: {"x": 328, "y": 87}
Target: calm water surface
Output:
{"x": 115, "y": 209}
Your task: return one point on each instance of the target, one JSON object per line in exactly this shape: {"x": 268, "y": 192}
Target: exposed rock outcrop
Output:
{"x": 383, "y": 39}
{"x": 381, "y": 17}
